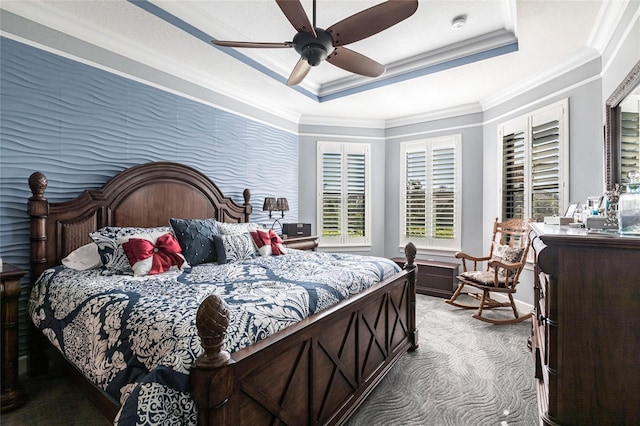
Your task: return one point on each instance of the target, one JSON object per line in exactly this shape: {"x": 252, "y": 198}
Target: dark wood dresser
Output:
{"x": 586, "y": 326}
{"x": 433, "y": 277}
{"x": 12, "y": 393}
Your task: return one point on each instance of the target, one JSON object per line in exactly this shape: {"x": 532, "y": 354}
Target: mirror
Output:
{"x": 622, "y": 143}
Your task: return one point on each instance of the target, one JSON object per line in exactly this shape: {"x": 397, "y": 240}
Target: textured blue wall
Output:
{"x": 80, "y": 126}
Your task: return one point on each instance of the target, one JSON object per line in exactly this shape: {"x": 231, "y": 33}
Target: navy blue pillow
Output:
{"x": 196, "y": 239}
{"x": 219, "y": 245}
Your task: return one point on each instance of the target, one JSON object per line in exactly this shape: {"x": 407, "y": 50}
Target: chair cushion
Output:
{"x": 483, "y": 277}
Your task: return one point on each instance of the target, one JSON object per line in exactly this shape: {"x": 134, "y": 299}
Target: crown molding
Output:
{"x": 608, "y": 19}
{"x": 447, "y": 54}
{"x": 456, "y": 111}
{"x": 581, "y": 57}
{"x": 342, "y": 122}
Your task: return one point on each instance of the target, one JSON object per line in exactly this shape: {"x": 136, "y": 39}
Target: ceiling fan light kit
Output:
{"x": 313, "y": 49}
{"x": 316, "y": 44}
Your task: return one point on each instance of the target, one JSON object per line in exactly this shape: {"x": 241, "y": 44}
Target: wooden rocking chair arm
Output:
{"x": 462, "y": 255}
{"x": 509, "y": 266}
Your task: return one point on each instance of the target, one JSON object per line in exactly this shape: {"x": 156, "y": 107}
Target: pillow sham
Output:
{"x": 110, "y": 250}
{"x": 151, "y": 254}
{"x": 267, "y": 242}
{"x": 236, "y": 248}
{"x": 196, "y": 239}
{"x": 236, "y": 228}
{"x": 83, "y": 258}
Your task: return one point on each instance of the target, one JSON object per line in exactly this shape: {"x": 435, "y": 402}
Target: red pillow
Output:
{"x": 268, "y": 242}
{"x": 149, "y": 256}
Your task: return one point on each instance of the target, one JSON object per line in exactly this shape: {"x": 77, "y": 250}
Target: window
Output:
{"x": 629, "y": 138}
{"x": 344, "y": 213}
{"x": 430, "y": 193}
{"x": 535, "y": 164}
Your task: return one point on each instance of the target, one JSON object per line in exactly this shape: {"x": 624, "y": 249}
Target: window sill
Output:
{"x": 344, "y": 248}
{"x": 444, "y": 252}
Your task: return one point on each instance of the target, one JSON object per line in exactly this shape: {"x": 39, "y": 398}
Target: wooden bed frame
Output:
{"x": 315, "y": 372}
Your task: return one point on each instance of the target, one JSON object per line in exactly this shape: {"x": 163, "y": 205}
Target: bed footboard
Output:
{"x": 316, "y": 372}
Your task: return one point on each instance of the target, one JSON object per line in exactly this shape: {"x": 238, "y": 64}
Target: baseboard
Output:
{"x": 522, "y": 306}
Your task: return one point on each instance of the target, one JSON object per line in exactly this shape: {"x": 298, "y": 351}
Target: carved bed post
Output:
{"x": 410, "y": 252}
{"x": 38, "y": 209}
{"x": 248, "y": 208}
{"x": 211, "y": 377}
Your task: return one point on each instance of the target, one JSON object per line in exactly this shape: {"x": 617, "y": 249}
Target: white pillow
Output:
{"x": 238, "y": 248}
{"x": 83, "y": 258}
{"x": 236, "y": 228}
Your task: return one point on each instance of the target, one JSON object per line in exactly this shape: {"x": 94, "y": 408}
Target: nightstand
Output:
{"x": 12, "y": 393}
{"x": 301, "y": 243}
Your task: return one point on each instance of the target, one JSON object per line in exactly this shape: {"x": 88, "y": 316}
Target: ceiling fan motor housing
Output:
{"x": 313, "y": 49}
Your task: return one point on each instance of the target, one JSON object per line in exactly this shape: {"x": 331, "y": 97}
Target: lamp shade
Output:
{"x": 270, "y": 204}
{"x": 282, "y": 205}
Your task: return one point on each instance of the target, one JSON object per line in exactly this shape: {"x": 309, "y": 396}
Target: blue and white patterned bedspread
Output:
{"x": 136, "y": 338}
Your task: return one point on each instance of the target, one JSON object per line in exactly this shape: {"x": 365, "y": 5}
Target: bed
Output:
{"x": 314, "y": 365}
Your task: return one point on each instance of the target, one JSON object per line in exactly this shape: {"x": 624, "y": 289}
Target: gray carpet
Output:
{"x": 465, "y": 373}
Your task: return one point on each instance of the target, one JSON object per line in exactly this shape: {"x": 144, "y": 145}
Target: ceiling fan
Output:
{"x": 316, "y": 44}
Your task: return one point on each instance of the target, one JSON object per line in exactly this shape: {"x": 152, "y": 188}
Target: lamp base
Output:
{"x": 274, "y": 224}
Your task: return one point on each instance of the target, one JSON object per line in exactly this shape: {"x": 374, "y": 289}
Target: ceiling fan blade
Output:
{"x": 299, "y": 72}
{"x": 295, "y": 13}
{"x": 371, "y": 21}
{"x": 252, "y": 44}
{"x": 355, "y": 62}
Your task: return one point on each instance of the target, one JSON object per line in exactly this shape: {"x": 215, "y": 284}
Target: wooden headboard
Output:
{"x": 146, "y": 195}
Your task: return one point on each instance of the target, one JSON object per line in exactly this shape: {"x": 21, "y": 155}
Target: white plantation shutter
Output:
{"x": 545, "y": 170}
{"x": 535, "y": 164}
{"x": 344, "y": 194}
{"x": 629, "y": 144}
{"x": 513, "y": 178}
{"x": 331, "y": 194}
{"x": 356, "y": 195}
{"x": 443, "y": 187}
{"x": 415, "y": 194}
{"x": 430, "y": 194}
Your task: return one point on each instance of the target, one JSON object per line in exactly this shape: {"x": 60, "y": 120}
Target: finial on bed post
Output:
{"x": 410, "y": 253}
{"x": 248, "y": 208}
{"x": 212, "y": 320}
{"x": 211, "y": 377}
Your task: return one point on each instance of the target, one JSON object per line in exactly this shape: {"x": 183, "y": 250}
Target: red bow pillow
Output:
{"x": 268, "y": 242}
{"x": 151, "y": 254}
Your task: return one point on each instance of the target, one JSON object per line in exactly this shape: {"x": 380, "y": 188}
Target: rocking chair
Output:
{"x": 507, "y": 256}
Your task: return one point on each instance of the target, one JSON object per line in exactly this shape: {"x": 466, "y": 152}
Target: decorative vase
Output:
{"x": 629, "y": 206}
